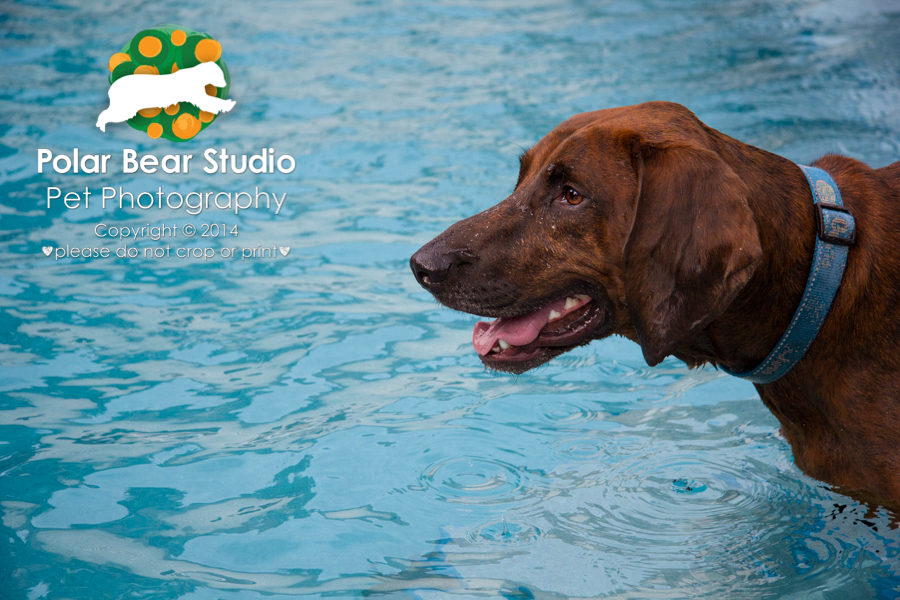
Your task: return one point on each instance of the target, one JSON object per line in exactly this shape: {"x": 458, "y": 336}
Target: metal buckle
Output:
{"x": 820, "y": 224}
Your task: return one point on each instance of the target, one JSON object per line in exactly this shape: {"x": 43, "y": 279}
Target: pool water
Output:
{"x": 316, "y": 425}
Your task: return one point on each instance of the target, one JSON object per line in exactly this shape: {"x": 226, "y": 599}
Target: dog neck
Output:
{"x": 746, "y": 332}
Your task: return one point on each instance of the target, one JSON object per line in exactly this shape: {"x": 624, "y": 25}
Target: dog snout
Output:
{"x": 433, "y": 263}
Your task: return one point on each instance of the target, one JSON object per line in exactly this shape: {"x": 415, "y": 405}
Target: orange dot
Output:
{"x": 154, "y": 130}
{"x": 208, "y": 50}
{"x": 146, "y": 70}
{"x": 149, "y": 46}
{"x": 211, "y": 90}
{"x": 149, "y": 112}
{"x": 171, "y": 110}
{"x": 185, "y": 126}
{"x": 206, "y": 117}
{"x": 178, "y": 37}
{"x": 117, "y": 59}
{"x": 174, "y": 67}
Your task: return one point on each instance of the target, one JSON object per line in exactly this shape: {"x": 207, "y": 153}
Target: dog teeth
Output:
{"x": 554, "y": 315}
{"x": 500, "y": 347}
{"x": 573, "y": 302}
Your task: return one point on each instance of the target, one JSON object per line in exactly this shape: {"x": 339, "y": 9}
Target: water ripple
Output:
{"x": 504, "y": 533}
{"x": 319, "y": 425}
{"x": 476, "y": 481}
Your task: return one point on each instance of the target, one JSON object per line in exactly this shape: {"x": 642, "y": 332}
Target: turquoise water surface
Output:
{"x": 315, "y": 424}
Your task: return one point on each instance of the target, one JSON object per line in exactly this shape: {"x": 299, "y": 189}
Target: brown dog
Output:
{"x": 642, "y": 221}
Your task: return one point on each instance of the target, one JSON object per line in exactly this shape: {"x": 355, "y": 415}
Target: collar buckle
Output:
{"x": 835, "y": 224}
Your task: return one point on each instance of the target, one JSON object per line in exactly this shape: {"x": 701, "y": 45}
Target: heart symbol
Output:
{"x": 47, "y": 250}
{"x": 284, "y": 250}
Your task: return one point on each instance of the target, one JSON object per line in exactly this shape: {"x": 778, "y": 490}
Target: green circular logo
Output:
{"x": 160, "y": 51}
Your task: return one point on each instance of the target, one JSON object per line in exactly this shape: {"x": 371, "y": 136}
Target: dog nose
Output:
{"x": 432, "y": 265}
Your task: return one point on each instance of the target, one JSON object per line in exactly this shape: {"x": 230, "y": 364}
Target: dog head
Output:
{"x": 623, "y": 221}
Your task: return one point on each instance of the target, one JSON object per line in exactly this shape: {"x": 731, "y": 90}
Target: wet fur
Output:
{"x": 699, "y": 246}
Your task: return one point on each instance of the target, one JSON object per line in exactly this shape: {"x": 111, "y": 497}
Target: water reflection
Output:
{"x": 316, "y": 425}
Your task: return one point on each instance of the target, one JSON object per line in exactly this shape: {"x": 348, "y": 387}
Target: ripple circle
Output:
{"x": 503, "y": 533}
{"x": 475, "y": 481}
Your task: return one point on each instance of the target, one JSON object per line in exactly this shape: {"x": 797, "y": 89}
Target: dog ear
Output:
{"x": 692, "y": 247}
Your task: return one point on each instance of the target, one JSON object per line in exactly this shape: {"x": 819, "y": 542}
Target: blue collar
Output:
{"x": 836, "y": 233}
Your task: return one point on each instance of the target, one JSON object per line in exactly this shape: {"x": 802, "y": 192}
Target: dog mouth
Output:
{"x": 517, "y": 344}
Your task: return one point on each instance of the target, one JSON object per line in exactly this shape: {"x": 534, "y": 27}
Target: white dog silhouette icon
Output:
{"x": 132, "y": 93}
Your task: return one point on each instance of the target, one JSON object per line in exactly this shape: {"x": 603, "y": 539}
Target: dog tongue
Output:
{"x": 518, "y": 331}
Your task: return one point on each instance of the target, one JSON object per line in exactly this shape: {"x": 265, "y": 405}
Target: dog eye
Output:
{"x": 572, "y": 196}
